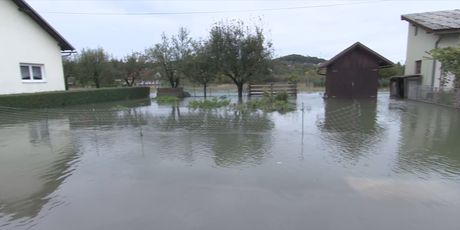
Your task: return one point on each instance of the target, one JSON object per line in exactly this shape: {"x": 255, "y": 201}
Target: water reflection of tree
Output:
{"x": 429, "y": 140}
{"x": 234, "y": 137}
{"x": 350, "y": 126}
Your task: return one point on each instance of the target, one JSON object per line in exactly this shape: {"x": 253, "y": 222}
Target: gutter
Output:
{"x": 433, "y": 72}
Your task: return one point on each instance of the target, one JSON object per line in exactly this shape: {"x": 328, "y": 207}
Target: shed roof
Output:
{"x": 446, "y": 21}
{"x": 27, "y": 9}
{"x": 383, "y": 60}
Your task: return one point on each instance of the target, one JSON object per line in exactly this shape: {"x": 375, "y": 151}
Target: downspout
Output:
{"x": 433, "y": 72}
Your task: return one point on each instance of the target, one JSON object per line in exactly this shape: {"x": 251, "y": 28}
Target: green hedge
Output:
{"x": 76, "y": 97}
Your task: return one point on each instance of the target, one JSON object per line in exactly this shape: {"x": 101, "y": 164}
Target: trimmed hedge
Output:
{"x": 76, "y": 97}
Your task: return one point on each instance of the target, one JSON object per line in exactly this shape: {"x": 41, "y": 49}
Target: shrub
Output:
{"x": 209, "y": 104}
{"x": 268, "y": 103}
{"x": 282, "y": 96}
{"x": 77, "y": 97}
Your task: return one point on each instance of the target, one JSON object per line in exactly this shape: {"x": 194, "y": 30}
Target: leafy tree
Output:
{"x": 133, "y": 66}
{"x": 171, "y": 54}
{"x": 242, "y": 53}
{"x": 201, "y": 66}
{"x": 70, "y": 66}
{"x": 92, "y": 63}
{"x": 450, "y": 60}
{"x": 161, "y": 53}
{"x": 395, "y": 70}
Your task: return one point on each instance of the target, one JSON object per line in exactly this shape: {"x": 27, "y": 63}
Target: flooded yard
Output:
{"x": 381, "y": 164}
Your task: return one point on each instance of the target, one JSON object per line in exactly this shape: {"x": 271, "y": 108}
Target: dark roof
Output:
{"x": 438, "y": 21}
{"x": 383, "y": 60}
{"x": 27, "y": 9}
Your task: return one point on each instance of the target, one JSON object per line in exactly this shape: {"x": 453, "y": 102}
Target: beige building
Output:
{"x": 428, "y": 31}
{"x": 30, "y": 57}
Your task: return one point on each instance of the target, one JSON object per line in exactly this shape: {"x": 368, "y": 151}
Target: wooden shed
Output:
{"x": 353, "y": 73}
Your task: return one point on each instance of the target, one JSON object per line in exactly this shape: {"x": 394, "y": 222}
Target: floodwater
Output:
{"x": 381, "y": 164}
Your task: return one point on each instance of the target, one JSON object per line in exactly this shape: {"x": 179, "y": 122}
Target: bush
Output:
{"x": 209, "y": 104}
{"x": 77, "y": 97}
{"x": 268, "y": 103}
{"x": 281, "y": 96}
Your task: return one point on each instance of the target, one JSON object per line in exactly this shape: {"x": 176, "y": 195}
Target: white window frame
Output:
{"x": 30, "y": 66}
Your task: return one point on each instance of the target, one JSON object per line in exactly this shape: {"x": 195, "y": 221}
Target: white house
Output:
{"x": 428, "y": 31}
{"x": 30, "y": 57}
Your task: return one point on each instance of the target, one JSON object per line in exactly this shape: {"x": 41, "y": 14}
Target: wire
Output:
{"x": 210, "y": 12}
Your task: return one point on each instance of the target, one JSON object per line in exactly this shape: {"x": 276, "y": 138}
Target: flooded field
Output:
{"x": 380, "y": 164}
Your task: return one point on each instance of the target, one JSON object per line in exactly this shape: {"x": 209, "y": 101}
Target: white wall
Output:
{"x": 22, "y": 40}
{"x": 418, "y": 44}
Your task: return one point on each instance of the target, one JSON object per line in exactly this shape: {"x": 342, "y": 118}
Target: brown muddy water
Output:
{"x": 354, "y": 165}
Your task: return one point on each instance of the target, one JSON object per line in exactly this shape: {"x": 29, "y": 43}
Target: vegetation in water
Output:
{"x": 209, "y": 104}
{"x": 268, "y": 103}
{"x": 167, "y": 99}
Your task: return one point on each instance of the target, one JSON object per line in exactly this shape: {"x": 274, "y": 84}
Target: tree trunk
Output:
{"x": 204, "y": 89}
{"x": 96, "y": 81}
{"x": 66, "y": 82}
{"x": 127, "y": 82}
{"x": 240, "y": 90}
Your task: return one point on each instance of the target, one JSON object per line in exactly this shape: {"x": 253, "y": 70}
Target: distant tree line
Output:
{"x": 232, "y": 50}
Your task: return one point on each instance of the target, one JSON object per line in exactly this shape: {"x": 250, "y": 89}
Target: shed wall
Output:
{"x": 354, "y": 75}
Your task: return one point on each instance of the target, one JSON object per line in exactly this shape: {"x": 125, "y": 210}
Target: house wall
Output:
{"x": 22, "y": 40}
{"x": 419, "y": 43}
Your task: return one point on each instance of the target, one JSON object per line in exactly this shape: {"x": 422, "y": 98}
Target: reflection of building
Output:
{"x": 350, "y": 125}
{"x": 429, "y": 139}
{"x": 35, "y": 158}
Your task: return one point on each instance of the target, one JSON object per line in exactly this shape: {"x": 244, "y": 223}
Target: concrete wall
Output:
{"x": 419, "y": 43}
{"x": 22, "y": 40}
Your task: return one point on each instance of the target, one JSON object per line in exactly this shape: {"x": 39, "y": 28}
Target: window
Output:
{"x": 32, "y": 72}
{"x": 418, "y": 67}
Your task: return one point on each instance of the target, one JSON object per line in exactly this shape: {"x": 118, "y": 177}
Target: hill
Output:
{"x": 298, "y": 68}
{"x": 300, "y": 59}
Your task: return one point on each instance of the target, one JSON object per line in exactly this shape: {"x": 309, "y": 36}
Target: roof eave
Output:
{"x": 27, "y": 9}
{"x": 430, "y": 30}
{"x": 416, "y": 23}
{"x": 384, "y": 60}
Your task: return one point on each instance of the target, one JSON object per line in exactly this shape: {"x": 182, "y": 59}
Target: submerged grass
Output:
{"x": 209, "y": 104}
{"x": 268, "y": 103}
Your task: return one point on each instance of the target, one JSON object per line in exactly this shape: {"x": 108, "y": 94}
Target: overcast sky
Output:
{"x": 308, "y": 27}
